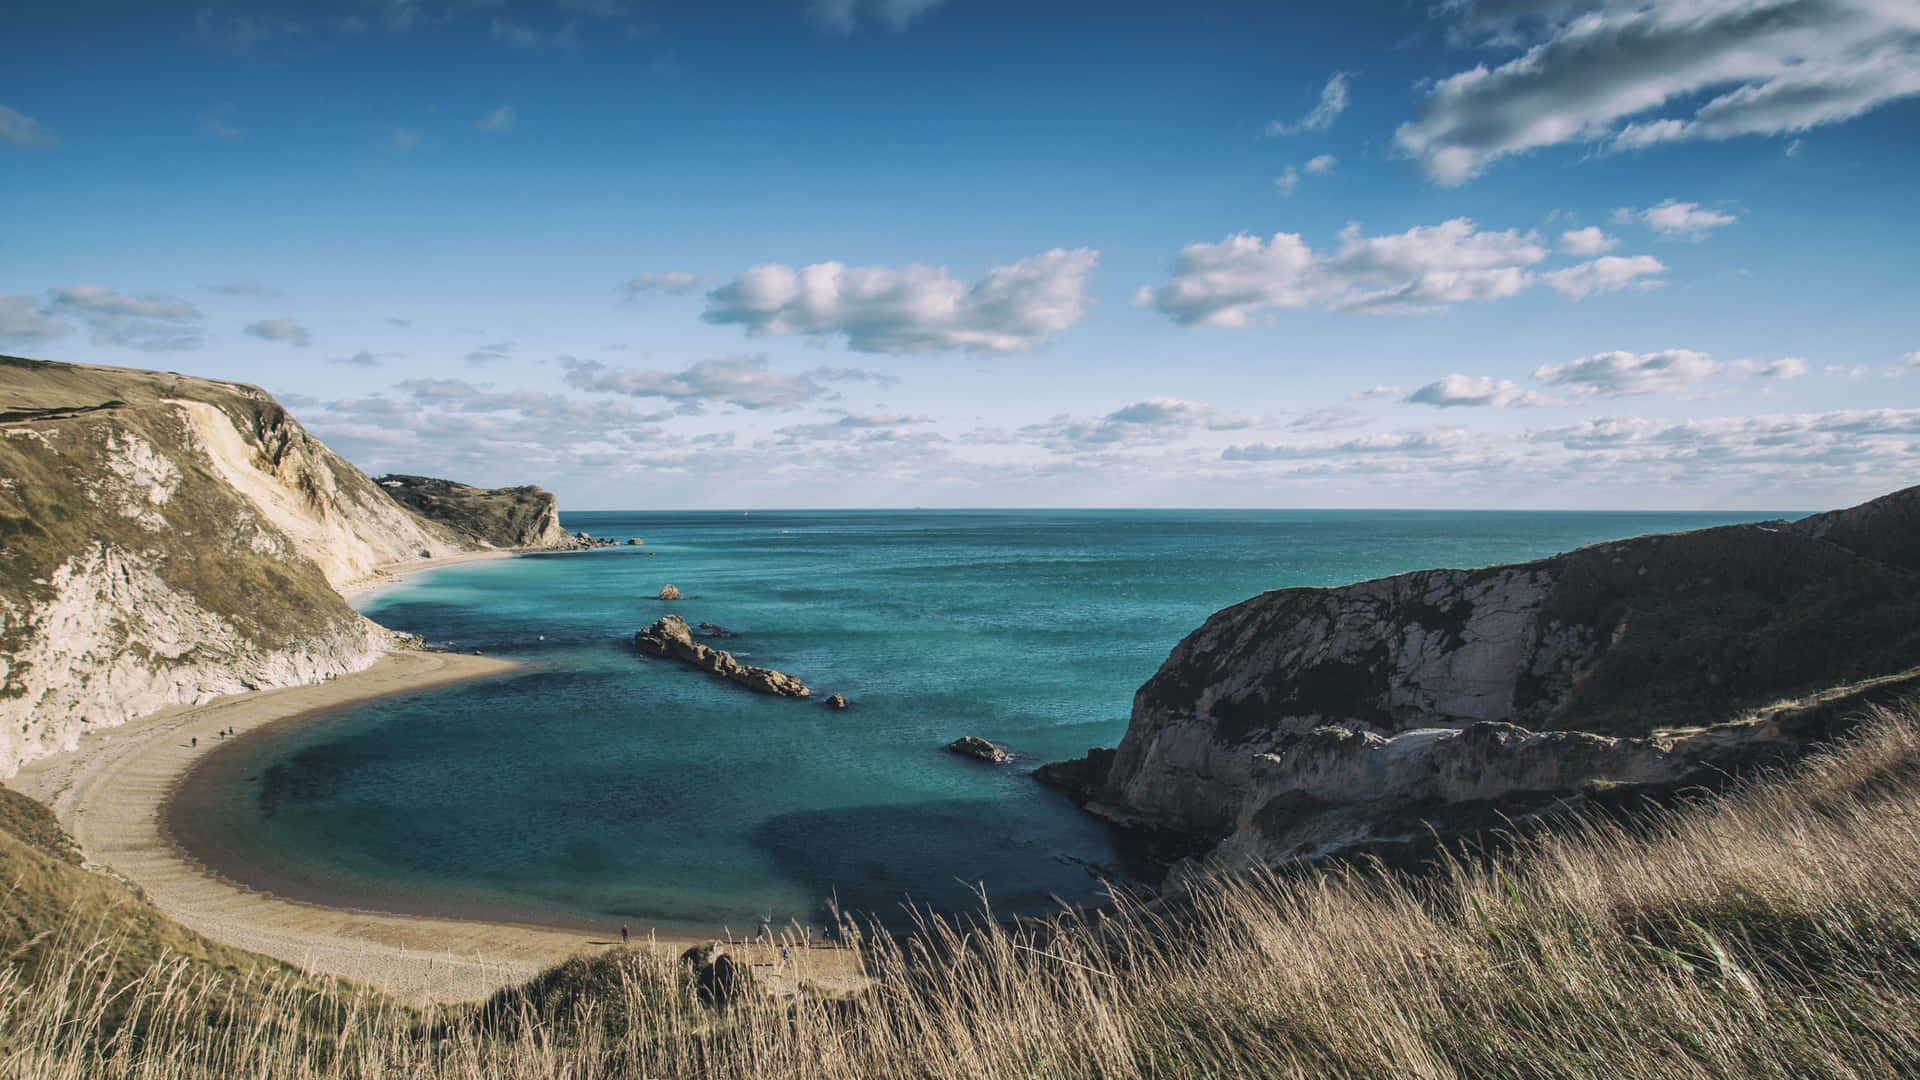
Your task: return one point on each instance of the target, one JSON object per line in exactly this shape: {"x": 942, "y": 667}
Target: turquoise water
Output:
{"x": 592, "y": 786}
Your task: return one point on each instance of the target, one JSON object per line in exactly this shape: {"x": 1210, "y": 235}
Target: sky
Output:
{"x": 947, "y": 253}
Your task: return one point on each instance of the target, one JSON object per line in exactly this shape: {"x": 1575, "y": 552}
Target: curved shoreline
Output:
{"x": 109, "y": 795}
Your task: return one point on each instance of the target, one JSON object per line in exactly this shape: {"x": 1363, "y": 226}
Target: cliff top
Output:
{"x": 46, "y": 389}
{"x": 509, "y": 517}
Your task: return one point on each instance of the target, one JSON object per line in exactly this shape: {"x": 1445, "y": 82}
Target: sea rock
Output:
{"x": 715, "y": 630}
{"x": 668, "y": 592}
{"x": 1307, "y": 721}
{"x": 837, "y": 701}
{"x": 670, "y": 637}
{"x": 633, "y": 541}
{"x": 718, "y": 979}
{"x": 979, "y": 749}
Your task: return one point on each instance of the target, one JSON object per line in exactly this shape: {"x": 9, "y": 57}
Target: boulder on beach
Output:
{"x": 670, "y": 637}
{"x": 837, "y": 701}
{"x": 979, "y": 749}
{"x": 718, "y": 979}
{"x": 668, "y": 592}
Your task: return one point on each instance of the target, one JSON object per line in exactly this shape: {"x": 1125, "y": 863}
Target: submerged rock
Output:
{"x": 633, "y": 541}
{"x": 714, "y": 630}
{"x": 979, "y": 749}
{"x": 670, "y": 637}
{"x": 668, "y": 592}
{"x": 837, "y": 701}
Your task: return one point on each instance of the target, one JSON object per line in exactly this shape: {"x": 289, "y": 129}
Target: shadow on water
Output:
{"x": 875, "y": 861}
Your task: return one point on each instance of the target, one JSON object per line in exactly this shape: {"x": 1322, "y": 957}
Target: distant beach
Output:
{"x": 358, "y": 590}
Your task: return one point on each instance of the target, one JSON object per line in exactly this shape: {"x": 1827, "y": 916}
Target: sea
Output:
{"x": 591, "y": 786}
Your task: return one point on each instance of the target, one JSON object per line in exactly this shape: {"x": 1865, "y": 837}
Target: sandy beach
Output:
{"x": 110, "y": 792}
{"x": 393, "y": 573}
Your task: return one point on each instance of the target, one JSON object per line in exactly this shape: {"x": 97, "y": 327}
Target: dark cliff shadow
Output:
{"x": 874, "y": 861}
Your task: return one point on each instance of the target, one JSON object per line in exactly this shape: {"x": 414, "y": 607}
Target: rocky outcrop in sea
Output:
{"x": 1309, "y": 721}
{"x": 670, "y": 637}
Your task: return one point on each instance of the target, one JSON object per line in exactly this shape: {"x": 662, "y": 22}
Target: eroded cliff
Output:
{"x": 515, "y": 517}
{"x": 1305, "y": 721}
{"x": 166, "y": 539}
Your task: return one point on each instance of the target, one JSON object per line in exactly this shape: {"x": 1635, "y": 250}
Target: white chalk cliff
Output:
{"x": 166, "y": 539}
{"x": 1308, "y": 721}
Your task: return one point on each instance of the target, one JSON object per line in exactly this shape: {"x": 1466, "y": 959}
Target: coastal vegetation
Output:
{"x": 1769, "y": 931}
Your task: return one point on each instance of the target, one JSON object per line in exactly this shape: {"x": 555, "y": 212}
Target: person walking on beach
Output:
{"x": 623, "y": 933}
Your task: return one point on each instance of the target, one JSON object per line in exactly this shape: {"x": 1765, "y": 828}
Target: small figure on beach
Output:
{"x": 194, "y": 741}
{"x": 623, "y": 933}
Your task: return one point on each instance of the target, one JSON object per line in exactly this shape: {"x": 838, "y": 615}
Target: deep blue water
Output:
{"x": 592, "y": 786}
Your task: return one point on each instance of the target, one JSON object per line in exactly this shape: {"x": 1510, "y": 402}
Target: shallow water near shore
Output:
{"x": 593, "y": 787}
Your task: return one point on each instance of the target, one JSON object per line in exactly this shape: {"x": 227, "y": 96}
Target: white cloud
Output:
{"x": 1426, "y": 268}
{"x": 1912, "y": 359}
{"x": 363, "y": 358}
{"x": 1627, "y": 75}
{"x": 670, "y": 281}
{"x": 1787, "y": 367}
{"x": 1153, "y": 420}
{"x": 281, "y": 330}
{"x": 746, "y": 381}
{"x": 1289, "y": 179}
{"x": 1619, "y": 373}
{"x": 843, "y": 16}
{"x": 242, "y": 288}
{"x": 1588, "y": 241}
{"x": 1332, "y": 418}
{"x": 154, "y": 322}
{"x": 219, "y": 120}
{"x": 23, "y": 130}
{"x": 1676, "y": 218}
{"x": 23, "y": 323}
{"x": 1378, "y": 390}
{"x": 500, "y": 119}
{"x": 1832, "y": 438}
{"x": 913, "y": 308}
{"x": 1333, "y": 102}
{"x": 1418, "y": 443}
{"x": 491, "y": 353}
{"x": 1604, "y": 274}
{"x": 874, "y": 426}
{"x": 1465, "y": 390}
{"x": 564, "y": 38}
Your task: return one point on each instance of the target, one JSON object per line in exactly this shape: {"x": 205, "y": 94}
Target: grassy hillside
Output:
{"x": 1770, "y": 932}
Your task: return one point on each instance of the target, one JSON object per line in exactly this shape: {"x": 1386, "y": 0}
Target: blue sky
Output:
{"x": 1513, "y": 253}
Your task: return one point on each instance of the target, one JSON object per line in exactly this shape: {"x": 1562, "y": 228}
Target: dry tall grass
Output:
{"x": 1773, "y": 932}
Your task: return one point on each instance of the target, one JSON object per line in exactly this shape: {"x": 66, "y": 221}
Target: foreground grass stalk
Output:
{"x": 1772, "y": 932}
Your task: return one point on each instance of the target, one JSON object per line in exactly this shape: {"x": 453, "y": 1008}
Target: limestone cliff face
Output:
{"x": 515, "y": 517}
{"x": 1306, "y": 720}
{"x": 166, "y": 539}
